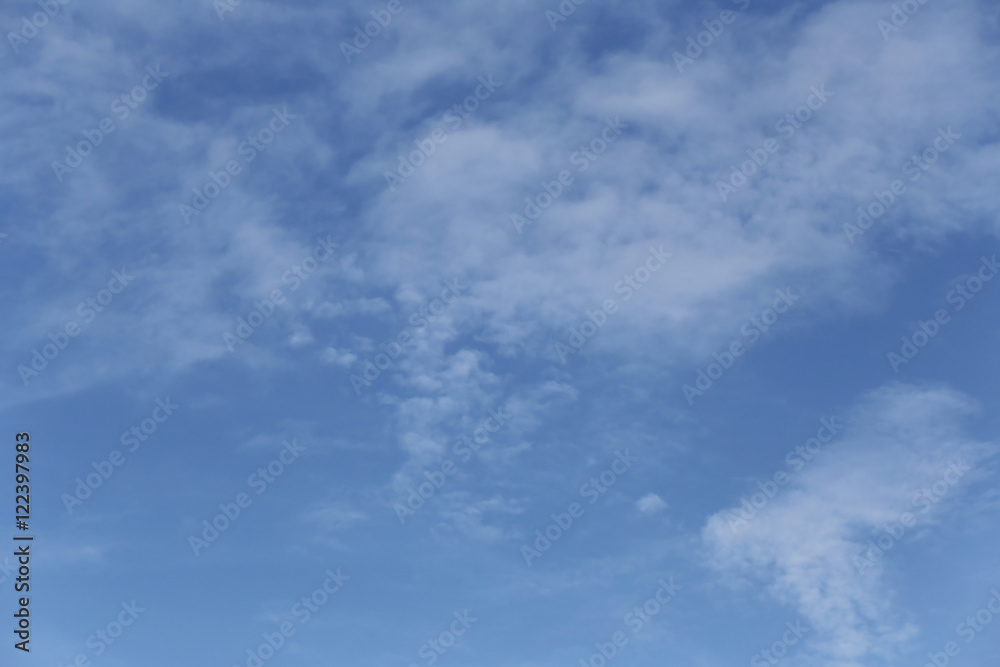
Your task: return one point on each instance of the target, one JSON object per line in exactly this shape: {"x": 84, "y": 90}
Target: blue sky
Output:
{"x": 623, "y": 333}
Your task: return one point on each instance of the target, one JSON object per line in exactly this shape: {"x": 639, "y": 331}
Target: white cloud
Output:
{"x": 650, "y": 504}
{"x": 332, "y": 355}
{"x": 802, "y": 543}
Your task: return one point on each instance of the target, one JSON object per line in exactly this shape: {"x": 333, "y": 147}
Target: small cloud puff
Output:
{"x": 332, "y": 355}
{"x": 650, "y": 504}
